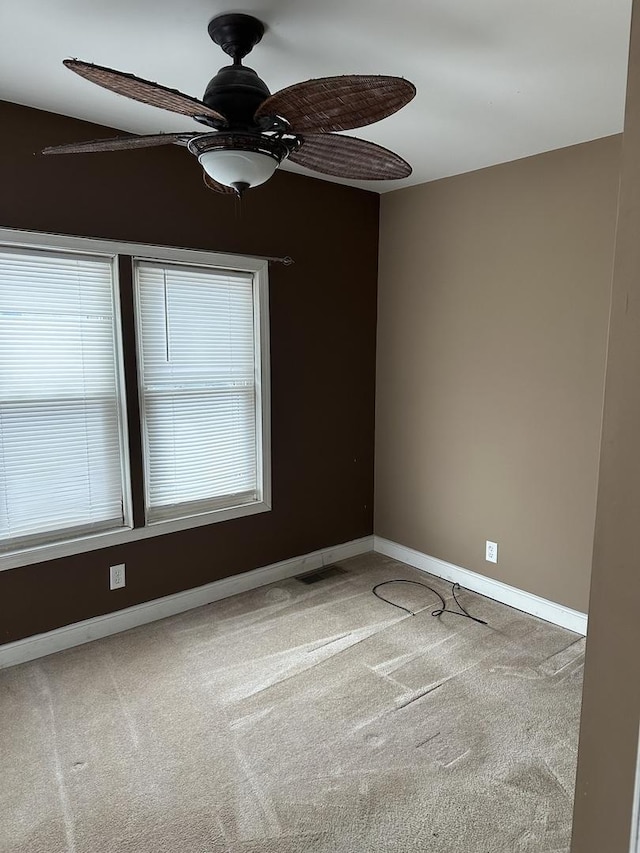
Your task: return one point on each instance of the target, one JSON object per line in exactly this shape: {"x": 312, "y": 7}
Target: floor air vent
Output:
{"x": 322, "y": 574}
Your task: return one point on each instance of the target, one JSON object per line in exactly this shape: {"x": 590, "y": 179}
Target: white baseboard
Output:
{"x": 518, "y": 598}
{"x": 40, "y": 645}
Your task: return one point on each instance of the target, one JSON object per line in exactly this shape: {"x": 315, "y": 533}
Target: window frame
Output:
{"x": 259, "y": 299}
{"x": 116, "y": 250}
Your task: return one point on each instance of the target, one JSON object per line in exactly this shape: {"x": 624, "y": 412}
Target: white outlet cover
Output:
{"x": 491, "y": 554}
{"x": 117, "y": 576}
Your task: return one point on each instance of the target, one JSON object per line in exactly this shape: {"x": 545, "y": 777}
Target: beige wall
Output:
{"x": 492, "y": 318}
{"x": 611, "y": 699}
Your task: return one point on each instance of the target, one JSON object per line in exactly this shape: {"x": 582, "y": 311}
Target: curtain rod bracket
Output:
{"x": 287, "y": 260}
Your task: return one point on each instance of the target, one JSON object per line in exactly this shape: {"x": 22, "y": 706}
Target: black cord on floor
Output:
{"x": 439, "y": 610}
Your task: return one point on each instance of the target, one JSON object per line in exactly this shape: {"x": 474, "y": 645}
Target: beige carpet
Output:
{"x": 298, "y": 719}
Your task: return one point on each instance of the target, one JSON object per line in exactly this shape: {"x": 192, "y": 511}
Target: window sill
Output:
{"x": 124, "y": 535}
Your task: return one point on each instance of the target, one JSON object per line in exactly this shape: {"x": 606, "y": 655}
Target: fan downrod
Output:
{"x": 237, "y": 34}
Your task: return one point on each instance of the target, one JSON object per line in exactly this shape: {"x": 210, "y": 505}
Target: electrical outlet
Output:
{"x": 491, "y": 553}
{"x": 116, "y": 576}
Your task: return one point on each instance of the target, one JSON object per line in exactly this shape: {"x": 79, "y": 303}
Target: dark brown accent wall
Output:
{"x": 323, "y": 318}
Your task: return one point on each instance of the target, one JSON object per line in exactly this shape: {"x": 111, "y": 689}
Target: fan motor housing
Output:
{"x": 236, "y": 91}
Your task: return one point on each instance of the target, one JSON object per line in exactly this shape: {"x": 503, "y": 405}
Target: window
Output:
{"x": 61, "y": 431}
{"x": 199, "y": 375}
{"x": 70, "y": 480}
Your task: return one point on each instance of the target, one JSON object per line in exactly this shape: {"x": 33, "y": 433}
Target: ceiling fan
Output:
{"x": 250, "y": 131}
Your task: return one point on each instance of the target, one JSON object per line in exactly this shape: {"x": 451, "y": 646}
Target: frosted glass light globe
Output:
{"x": 234, "y": 168}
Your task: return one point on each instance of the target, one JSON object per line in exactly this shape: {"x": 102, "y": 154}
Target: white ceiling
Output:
{"x": 497, "y": 79}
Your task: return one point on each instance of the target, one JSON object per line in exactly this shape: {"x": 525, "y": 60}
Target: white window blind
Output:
{"x": 199, "y": 365}
{"x": 61, "y": 472}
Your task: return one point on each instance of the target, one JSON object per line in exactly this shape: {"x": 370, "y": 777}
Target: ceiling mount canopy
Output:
{"x": 236, "y": 34}
{"x": 249, "y": 130}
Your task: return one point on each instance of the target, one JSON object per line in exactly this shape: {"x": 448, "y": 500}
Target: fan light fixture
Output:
{"x": 240, "y": 170}
{"x": 241, "y": 160}
{"x": 249, "y": 131}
